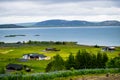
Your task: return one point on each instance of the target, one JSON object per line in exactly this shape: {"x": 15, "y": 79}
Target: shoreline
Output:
{"x": 53, "y": 43}
{"x": 59, "y": 27}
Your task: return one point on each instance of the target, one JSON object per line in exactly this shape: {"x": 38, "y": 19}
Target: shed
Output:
{"x": 52, "y": 49}
{"x": 14, "y": 67}
{"x": 35, "y": 56}
{"x": 111, "y": 48}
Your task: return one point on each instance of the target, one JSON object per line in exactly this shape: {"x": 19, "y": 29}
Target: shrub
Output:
{"x": 2, "y": 70}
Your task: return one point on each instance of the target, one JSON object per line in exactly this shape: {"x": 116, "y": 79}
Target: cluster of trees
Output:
{"x": 2, "y": 70}
{"x": 57, "y": 64}
{"x": 82, "y": 60}
{"x": 44, "y": 42}
{"x": 2, "y": 43}
{"x": 50, "y": 42}
{"x": 114, "y": 62}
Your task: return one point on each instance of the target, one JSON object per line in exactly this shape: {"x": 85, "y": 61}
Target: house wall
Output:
{"x": 45, "y": 58}
{"x": 26, "y": 57}
{"x": 41, "y": 58}
{"x": 108, "y": 49}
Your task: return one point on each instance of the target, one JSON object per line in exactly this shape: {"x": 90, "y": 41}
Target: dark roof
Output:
{"x": 35, "y": 55}
{"x": 41, "y": 55}
{"x": 14, "y": 67}
{"x": 50, "y": 48}
{"x": 109, "y": 48}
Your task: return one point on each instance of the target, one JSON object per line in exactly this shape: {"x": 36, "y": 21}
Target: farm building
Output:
{"x": 108, "y": 49}
{"x": 17, "y": 67}
{"x": 14, "y": 67}
{"x": 35, "y": 56}
{"x": 52, "y": 49}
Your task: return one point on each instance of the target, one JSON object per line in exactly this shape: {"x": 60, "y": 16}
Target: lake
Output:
{"x": 100, "y": 35}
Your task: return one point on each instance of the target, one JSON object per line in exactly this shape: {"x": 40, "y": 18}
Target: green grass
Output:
{"x": 11, "y": 53}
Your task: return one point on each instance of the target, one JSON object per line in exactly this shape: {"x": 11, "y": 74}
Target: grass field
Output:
{"x": 13, "y": 52}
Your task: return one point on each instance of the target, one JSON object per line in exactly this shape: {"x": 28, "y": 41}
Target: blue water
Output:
{"x": 101, "y": 35}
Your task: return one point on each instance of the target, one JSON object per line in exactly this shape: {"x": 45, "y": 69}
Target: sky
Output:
{"x": 20, "y": 11}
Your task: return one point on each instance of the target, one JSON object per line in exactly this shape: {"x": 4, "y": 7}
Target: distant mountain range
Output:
{"x": 61, "y": 23}
{"x": 65, "y": 23}
{"x": 11, "y": 26}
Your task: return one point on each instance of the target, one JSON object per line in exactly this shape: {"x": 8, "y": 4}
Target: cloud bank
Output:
{"x": 16, "y": 11}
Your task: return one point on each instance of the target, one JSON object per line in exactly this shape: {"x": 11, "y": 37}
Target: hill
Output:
{"x": 65, "y": 23}
{"x": 11, "y": 26}
{"x": 29, "y": 24}
{"x": 61, "y": 23}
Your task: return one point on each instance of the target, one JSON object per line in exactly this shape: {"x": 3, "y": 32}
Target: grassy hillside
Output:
{"x": 11, "y": 53}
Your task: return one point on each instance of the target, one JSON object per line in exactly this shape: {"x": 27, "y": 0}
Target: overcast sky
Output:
{"x": 17, "y": 11}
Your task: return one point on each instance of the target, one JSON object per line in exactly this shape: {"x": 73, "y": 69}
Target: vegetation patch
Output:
{"x": 68, "y": 55}
{"x": 5, "y": 52}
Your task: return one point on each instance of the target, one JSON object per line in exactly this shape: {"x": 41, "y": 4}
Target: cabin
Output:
{"x": 52, "y": 49}
{"x": 14, "y": 67}
{"x": 17, "y": 67}
{"x": 108, "y": 49}
{"x": 35, "y": 56}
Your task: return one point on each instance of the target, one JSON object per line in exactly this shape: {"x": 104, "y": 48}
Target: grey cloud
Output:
{"x": 58, "y": 7}
{"x": 115, "y": 2}
{"x": 57, "y": 1}
{"x": 27, "y": 10}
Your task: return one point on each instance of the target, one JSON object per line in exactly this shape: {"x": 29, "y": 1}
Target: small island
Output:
{"x": 13, "y": 35}
{"x": 37, "y": 35}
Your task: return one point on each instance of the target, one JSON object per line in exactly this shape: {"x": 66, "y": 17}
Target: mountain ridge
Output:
{"x": 10, "y": 26}
{"x": 61, "y": 23}
{"x": 66, "y": 23}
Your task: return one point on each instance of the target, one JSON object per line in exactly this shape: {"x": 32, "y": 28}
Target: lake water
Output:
{"x": 100, "y": 35}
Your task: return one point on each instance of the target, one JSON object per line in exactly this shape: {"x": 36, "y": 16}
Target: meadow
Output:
{"x": 12, "y": 52}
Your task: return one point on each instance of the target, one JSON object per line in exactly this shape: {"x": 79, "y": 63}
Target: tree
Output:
{"x": 70, "y": 63}
{"x": 78, "y": 60}
{"x": 96, "y": 46}
{"x": 117, "y": 63}
{"x": 104, "y": 60}
{"x": 83, "y": 60}
{"x": 49, "y": 66}
{"x": 114, "y": 63}
{"x": 86, "y": 59}
{"x": 93, "y": 61}
{"x": 57, "y": 64}
{"x": 29, "y": 42}
{"x": 99, "y": 60}
{"x": 2, "y": 70}
{"x": 2, "y": 43}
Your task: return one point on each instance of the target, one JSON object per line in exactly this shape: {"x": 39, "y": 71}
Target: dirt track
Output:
{"x": 104, "y": 77}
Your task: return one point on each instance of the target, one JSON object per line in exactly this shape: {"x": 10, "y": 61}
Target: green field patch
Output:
{"x": 11, "y": 53}
{"x": 5, "y": 52}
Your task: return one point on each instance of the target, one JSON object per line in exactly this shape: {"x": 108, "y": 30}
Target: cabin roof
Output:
{"x": 50, "y": 48}
{"x": 14, "y": 66}
{"x": 35, "y": 55}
